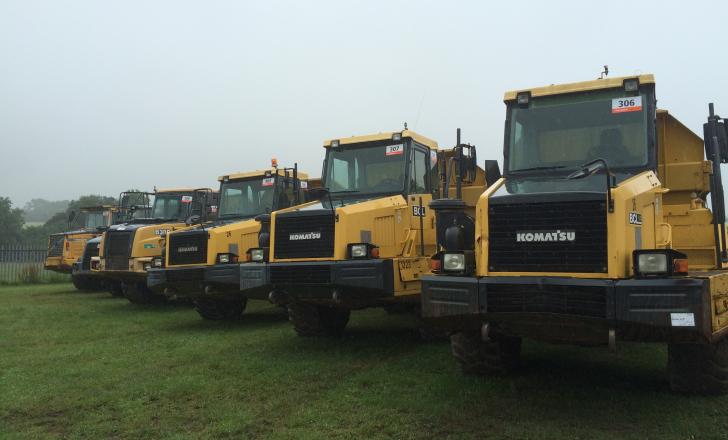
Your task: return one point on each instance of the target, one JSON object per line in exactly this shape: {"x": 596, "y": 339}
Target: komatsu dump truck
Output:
{"x": 600, "y": 231}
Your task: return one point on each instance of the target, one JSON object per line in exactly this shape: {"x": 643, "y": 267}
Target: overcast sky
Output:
{"x": 99, "y": 96}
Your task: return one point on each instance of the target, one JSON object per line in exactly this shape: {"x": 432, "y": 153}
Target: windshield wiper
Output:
{"x": 555, "y": 167}
{"x": 348, "y": 191}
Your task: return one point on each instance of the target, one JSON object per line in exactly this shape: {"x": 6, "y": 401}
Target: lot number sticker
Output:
{"x": 625, "y": 105}
{"x": 268, "y": 181}
{"x": 682, "y": 319}
{"x": 393, "y": 150}
{"x": 304, "y": 184}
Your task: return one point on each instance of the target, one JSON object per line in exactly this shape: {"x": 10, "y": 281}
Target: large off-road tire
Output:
{"x": 81, "y": 282}
{"x": 220, "y": 310}
{"x": 138, "y": 293}
{"x": 698, "y": 368}
{"x": 475, "y": 356}
{"x": 314, "y": 320}
{"x": 116, "y": 288}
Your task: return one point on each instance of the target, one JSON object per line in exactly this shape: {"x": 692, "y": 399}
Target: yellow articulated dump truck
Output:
{"x": 202, "y": 263}
{"x": 368, "y": 239}
{"x": 126, "y": 250}
{"x": 65, "y": 248}
{"x": 598, "y": 232}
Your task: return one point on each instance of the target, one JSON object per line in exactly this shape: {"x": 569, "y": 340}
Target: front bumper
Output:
{"x": 179, "y": 281}
{"x": 572, "y": 310}
{"x": 78, "y": 270}
{"x": 360, "y": 282}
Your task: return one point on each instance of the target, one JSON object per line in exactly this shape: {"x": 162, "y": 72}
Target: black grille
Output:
{"x": 189, "y": 247}
{"x": 118, "y": 248}
{"x": 91, "y": 250}
{"x": 588, "y": 301}
{"x": 301, "y": 275}
{"x": 304, "y": 235}
{"x": 55, "y": 245}
{"x": 585, "y": 219}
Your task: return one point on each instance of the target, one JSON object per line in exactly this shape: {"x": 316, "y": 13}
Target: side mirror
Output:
{"x": 723, "y": 141}
{"x": 317, "y": 193}
{"x": 492, "y": 172}
{"x": 191, "y": 220}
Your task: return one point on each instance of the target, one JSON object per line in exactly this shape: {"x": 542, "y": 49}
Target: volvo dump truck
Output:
{"x": 202, "y": 263}
{"x": 367, "y": 241}
{"x": 599, "y": 231}
{"x": 126, "y": 250}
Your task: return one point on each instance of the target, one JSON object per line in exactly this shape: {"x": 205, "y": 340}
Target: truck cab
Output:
{"x": 203, "y": 263}
{"x": 126, "y": 250}
{"x": 598, "y": 232}
{"x": 65, "y": 248}
{"x": 367, "y": 239}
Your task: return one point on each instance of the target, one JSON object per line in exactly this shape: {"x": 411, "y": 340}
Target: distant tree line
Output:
{"x": 13, "y": 228}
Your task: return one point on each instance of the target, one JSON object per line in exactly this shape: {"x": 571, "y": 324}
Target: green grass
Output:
{"x": 92, "y": 366}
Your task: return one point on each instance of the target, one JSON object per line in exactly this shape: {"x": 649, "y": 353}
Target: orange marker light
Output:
{"x": 274, "y": 162}
{"x": 435, "y": 264}
{"x": 680, "y": 265}
{"x": 375, "y": 252}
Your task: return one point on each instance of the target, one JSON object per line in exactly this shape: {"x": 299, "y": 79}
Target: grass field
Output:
{"x": 92, "y": 366}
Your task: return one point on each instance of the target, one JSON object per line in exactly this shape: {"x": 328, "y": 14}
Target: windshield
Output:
{"x": 247, "y": 198}
{"x": 568, "y": 130}
{"x": 95, "y": 219}
{"x": 366, "y": 169}
{"x": 170, "y": 206}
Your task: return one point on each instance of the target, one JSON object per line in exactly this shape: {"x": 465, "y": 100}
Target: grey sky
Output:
{"x": 98, "y": 96}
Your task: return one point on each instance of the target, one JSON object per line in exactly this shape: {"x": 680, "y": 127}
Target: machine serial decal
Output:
{"x": 304, "y": 236}
{"x": 418, "y": 211}
{"x": 161, "y": 232}
{"x": 187, "y": 249}
{"x": 635, "y": 218}
{"x": 545, "y": 236}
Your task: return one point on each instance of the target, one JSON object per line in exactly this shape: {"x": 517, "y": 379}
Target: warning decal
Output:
{"x": 624, "y": 105}
{"x": 186, "y": 199}
{"x": 268, "y": 181}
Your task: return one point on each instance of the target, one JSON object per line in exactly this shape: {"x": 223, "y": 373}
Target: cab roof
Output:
{"x": 383, "y": 137}
{"x": 97, "y": 208}
{"x": 181, "y": 190}
{"x": 583, "y": 86}
{"x": 261, "y": 173}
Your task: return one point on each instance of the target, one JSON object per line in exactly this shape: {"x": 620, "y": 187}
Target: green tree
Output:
{"x": 11, "y": 222}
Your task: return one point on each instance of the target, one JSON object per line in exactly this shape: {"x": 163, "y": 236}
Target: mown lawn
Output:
{"x": 92, "y": 366}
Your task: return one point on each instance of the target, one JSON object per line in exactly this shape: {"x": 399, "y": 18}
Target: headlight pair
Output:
{"x": 226, "y": 258}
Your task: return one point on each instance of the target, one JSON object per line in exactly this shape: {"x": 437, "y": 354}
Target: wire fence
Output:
{"x": 23, "y": 264}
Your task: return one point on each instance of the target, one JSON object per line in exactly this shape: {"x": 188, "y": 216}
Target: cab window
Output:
{"x": 420, "y": 170}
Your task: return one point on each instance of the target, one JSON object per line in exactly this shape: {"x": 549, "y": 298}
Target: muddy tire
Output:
{"x": 698, "y": 368}
{"x": 139, "y": 293}
{"x": 313, "y": 320}
{"x": 116, "y": 288}
{"x": 220, "y": 310}
{"x": 497, "y": 356}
